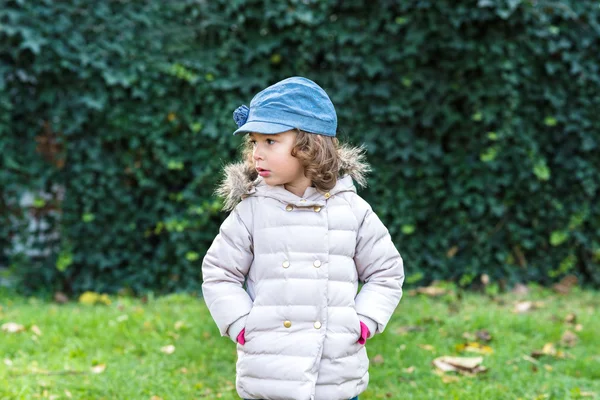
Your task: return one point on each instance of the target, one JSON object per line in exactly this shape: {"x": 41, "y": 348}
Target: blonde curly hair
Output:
{"x": 318, "y": 154}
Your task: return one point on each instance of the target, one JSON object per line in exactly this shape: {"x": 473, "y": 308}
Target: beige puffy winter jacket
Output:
{"x": 301, "y": 259}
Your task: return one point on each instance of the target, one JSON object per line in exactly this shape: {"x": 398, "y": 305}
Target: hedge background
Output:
{"x": 481, "y": 120}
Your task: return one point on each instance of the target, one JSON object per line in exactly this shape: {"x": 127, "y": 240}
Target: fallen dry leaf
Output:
{"x": 548, "y": 350}
{"x": 36, "y": 330}
{"x": 483, "y": 335}
{"x": 179, "y": 325}
{"x": 12, "y": 327}
{"x": 565, "y": 285}
{"x": 61, "y": 298}
{"x": 578, "y": 328}
{"x": 463, "y": 365}
{"x": 443, "y": 366}
{"x": 474, "y": 347}
{"x": 98, "y": 369}
{"x": 571, "y": 318}
{"x": 169, "y": 349}
{"x": 520, "y": 289}
{"x": 377, "y": 360}
{"x": 431, "y": 320}
{"x": 403, "y": 330}
{"x": 156, "y": 398}
{"x": 525, "y": 306}
{"x": 432, "y": 291}
{"x": 427, "y": 347}
{"x": 569, "y": 339}
{"x": 409, "y": 370}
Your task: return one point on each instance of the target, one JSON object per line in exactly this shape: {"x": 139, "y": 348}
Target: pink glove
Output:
{"x": 240, "y": 338}
{"x": 364, "y": 333}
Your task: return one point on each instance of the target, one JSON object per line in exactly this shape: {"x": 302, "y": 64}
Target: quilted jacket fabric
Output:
{"x": 287, "y": 268}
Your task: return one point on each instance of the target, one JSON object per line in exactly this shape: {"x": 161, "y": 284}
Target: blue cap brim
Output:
{"x": 267, "y": 128}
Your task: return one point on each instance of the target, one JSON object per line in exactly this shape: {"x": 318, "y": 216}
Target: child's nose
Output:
{"x": 258, "y": 154}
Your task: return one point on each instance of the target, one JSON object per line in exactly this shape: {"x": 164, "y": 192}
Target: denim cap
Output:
{"x": 294, "y": 102}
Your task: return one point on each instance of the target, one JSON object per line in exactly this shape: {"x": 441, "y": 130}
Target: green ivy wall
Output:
{"x": 481, "y": 120}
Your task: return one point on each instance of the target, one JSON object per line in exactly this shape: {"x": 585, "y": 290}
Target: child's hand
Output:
{"x": 364, "y": 333}
{"x": 242, "y": 340}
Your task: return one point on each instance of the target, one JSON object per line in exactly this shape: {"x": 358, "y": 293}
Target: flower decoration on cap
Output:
{"x": 240, "y": 115}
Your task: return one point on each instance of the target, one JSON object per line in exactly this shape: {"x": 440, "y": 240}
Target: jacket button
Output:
{"x": 286, "y": 264}
{"x": 317, "y": 208}
{"x": 327, "y": 195}
{"x": 287, "y": 324}
{"x": 317, "y": 263}
{"x": 289, "y": 207}
{"x": 317, "y": 325}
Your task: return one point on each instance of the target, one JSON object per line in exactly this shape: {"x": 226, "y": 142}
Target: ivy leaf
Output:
{"x": 550, "y": 121}
{"x": 558, "y": 237}
{"x": 408, "y": 229}
{"x": 401, "y": 20}
{"x": 541, "y": 170}
{"x": 489, "y": 154}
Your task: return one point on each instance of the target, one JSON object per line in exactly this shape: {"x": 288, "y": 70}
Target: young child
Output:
{"x": 281, "y": 277}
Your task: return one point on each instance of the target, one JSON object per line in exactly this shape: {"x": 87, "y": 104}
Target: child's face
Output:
{"x": 274, "y": 161}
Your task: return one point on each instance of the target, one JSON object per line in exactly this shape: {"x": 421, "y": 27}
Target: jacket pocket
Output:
{"x": 357, "y": 326}
{"x": 250, "y": 326}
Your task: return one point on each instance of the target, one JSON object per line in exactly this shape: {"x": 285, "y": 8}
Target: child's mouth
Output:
{"x": 263, "y": 172}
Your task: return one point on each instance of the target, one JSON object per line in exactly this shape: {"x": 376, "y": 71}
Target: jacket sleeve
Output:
{"x": 380, "y": 266}
{"x": 224, "y": 271}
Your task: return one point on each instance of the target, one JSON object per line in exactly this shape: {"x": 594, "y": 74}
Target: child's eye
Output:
{"x": 270, "y": 141}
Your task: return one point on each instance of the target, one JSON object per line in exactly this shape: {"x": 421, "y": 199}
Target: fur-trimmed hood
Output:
{"x": 240, "y": 182}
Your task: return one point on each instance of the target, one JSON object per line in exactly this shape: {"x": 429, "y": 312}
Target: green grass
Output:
{"x": 127, "y": 337}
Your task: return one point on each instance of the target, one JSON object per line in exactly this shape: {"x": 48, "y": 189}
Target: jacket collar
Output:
{"x": 240, "y": 182}
{"x": 311, "y": 197}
